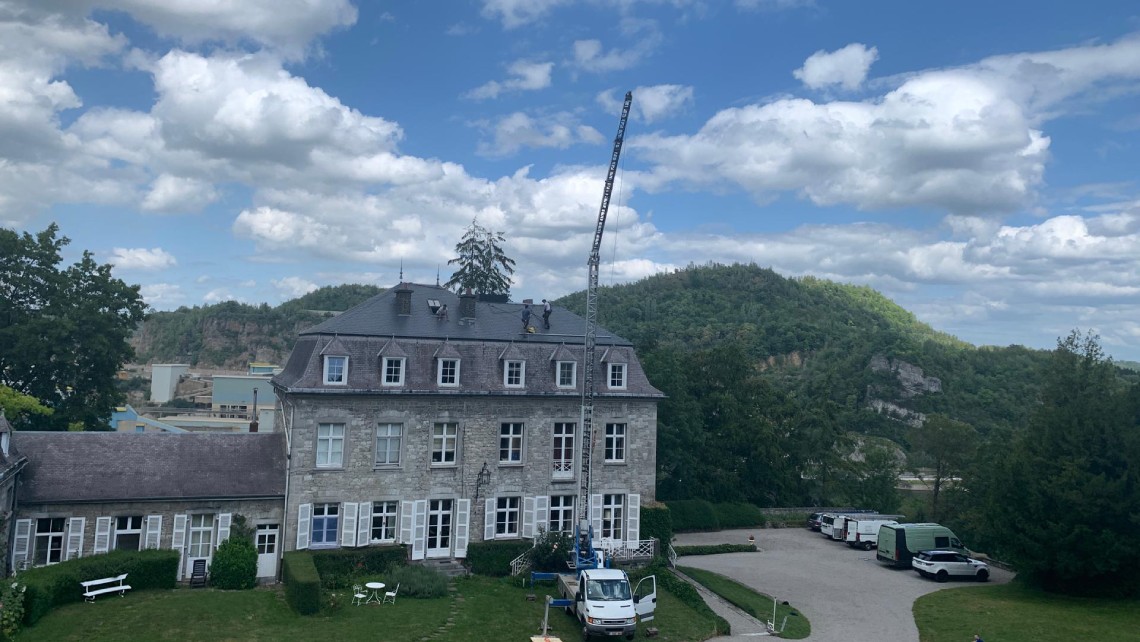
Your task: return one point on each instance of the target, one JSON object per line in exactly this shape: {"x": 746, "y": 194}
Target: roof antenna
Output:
{"x": 401, "y": 270}
{"x": 437, "y": 275}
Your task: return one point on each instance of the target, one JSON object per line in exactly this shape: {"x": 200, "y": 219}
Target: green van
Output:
{"x": 898, "y": 543}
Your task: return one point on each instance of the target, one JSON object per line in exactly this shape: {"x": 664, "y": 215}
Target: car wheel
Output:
{"x": 585, "y": 634}
{"x": 942, "y": 576}
{"x": 868, "y": 546}
{"x": 983, "y": 575}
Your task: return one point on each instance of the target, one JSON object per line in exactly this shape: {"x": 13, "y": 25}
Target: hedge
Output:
{"x": 715, "y": 549}
{"x": 494, "y": 558}
{"x": 302, "y": 582}
{"x": 58, "y": 584}
{"x": 693, "y": 515}
{"x": 657, "y": 521}
{"x": 338, "y": 567}
{"x": 738, "y": 515}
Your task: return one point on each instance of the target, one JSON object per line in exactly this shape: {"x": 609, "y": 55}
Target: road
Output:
{"x": 846, "y": 594}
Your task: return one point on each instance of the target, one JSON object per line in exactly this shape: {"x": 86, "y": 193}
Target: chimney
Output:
{"x": 403, "y": 300}
{"x": 467, "y": 304}
{"x": 253, "y": 422}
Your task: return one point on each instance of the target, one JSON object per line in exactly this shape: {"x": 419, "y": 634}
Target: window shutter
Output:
{"x": 304, "y": 519}
{"x": 419, "y": 529}
{"x": 102, "y": 534}
{"x": 225, "y": 520}
{"x": 364, "y": 524}
{"x": 153, "y": 531}
{"x": 462, "y": 526}
{"x": 21, "y": 543}
{"x": 75, "y": 526}
{"x": 632, "y": 519}
{"x": 348, "y": 531}
{"x": 178, "y": 541}
{"x": 528, "y": 517}
{"x": 542, "y": 513}
{"x": 596, "y": 514}
{"x": 405, "y": 522}
{"x": 489, "y": 520}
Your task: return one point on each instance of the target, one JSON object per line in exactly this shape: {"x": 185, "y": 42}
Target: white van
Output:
{"x": 864, "y": 533}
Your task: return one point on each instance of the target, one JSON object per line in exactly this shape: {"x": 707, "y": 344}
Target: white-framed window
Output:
{"x": 617, "y": 376}
{"x": 384, "y": 521}
{"x": 330, "y": 445}
{"x": 128, "y": 533}
{"x": 388, "y": 439}
{"x": 393, "y": 371}
{"x": 444, "y": 440}
{"x": 562, "y": 458}
{"x": 201, "y": 535}
{"x": 325, "y": 524}
{"x": 266, "y": 539}
{"x": 615, "y": 443}
{"x": 49, "y": 541}
{"x": 613, "y": 516}
{"x": 510, "y": 442}
{"x": 567, "y": 374}
{"x": 561, "y": 514}
{"x": 336, "y": 371}
{"x": 514, "y": 374}
{"x": 448, "y": 372}
{"x": 507, "y": 517}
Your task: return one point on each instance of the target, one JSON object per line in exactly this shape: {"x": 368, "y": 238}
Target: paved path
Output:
{"x": 744, "y": 626}
{"x": 845, "y": 593}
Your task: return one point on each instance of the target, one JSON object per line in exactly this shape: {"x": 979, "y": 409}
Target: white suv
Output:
{"x": 942, "y": 564}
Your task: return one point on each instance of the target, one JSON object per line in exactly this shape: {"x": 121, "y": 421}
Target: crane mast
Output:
{"x": 589, "y": 363}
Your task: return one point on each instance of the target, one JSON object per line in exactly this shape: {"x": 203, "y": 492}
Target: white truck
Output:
{"x": 603, "y": 602}
{"x": 864, "y": 533}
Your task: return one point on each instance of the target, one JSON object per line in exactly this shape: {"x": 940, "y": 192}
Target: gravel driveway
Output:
{"x": 846, "y": 594}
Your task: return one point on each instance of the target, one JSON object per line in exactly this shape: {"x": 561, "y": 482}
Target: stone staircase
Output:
{"x": 448, "y": 566}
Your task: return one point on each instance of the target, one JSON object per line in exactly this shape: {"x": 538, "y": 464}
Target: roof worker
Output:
{"x": 526, "y": 316}
{"x": 441, "y": 314}
{"x": 546, "y": 313}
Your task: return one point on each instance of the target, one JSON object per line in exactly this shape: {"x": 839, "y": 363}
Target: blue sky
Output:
{"x": 973, "y": 161}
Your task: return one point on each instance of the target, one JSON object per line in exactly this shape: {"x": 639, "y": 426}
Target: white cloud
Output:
{"x": 162, "y": 295}
{"x": 516, "y": 13}
{"x": 590, "y": 56}
{"x": 178, "y": 194}
{"x": 524, "y": 76}
{"x": 218, "y": 295}
{"x": 772, "y": 5}
{"x": 518, "y": 130}
{"x": 292, "y": 287}
{"x": 652, "y": 103}
{"x": 846, "y": 67}
{"x": 141, "y": 258}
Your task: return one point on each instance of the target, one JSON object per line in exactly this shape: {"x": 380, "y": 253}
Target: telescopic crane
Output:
{"x": 584, "y": 541}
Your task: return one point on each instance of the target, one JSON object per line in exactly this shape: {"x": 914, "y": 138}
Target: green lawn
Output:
{"x": 752, "y": 602}
{"x": 480, "y": 609}
{"x": 1015, "y": 613}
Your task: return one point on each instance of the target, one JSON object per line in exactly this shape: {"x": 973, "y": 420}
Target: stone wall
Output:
{"x": 479, "y": 418}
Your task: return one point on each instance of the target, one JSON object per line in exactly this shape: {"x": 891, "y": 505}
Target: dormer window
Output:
{"x": 336, "y": 371}
{"x": 393, "y": 371}
{"x": 448, "y": 372}
{"x": 514, "y": 374}
{"x": 617, "y": 376}
{"x": 567, "y": 374}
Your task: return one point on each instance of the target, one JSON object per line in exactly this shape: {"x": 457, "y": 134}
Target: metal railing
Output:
{"x": 623, "y": 550}
{"x": 520, "y": 564}
{"x": 672, "y": 556}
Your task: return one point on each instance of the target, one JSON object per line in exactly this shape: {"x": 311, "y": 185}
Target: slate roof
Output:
{"x": 66, "y": 467}
{"x": 482, "y": 344}
{"x": 378, "y": 317}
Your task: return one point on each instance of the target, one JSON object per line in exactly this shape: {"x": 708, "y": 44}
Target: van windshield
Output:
{"x": 608, "y": 590}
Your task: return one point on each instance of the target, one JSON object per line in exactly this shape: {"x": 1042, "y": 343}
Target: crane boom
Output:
{"x": 591, "y": 337}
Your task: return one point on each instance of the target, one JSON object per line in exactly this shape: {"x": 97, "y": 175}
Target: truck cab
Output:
{"x": 605, "y": 603}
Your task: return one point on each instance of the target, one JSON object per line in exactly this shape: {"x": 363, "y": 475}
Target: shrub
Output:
{"x": 338, "y": 568}
{"x": 302, "y": 582}
{"x": 417, "y": 581}
{"x": 738, "y": 515}
{"x": 657, "y": 521}
{"x": 550, "y": 552}
{"x": 234, "y": 565}
{"x": 56, "y": 585}
{"x": 693, "y": 515}
{"x": 11, "y": 606}
{"x": 494, "y": 558}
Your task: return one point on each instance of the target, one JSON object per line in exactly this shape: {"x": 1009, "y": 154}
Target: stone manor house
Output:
{"x": 418, "y": 417}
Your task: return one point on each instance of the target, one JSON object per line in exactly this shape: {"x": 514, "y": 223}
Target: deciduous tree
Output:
{"x": 63, "y": 332}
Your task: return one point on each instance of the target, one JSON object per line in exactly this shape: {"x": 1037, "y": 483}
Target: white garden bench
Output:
{"x": 93, "y": 588}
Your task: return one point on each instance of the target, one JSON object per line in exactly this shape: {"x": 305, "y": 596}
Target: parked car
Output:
{"x": 942, "y": 565}
{"x": 813, "y": 521}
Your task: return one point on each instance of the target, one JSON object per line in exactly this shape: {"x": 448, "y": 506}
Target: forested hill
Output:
{"x": 231, "y": 334}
